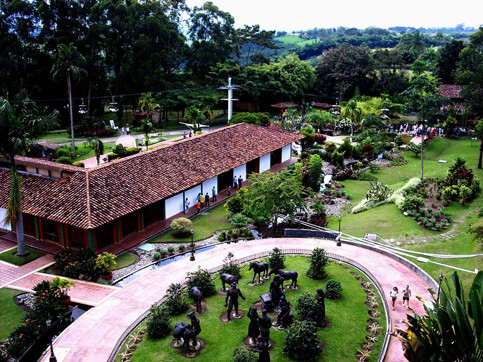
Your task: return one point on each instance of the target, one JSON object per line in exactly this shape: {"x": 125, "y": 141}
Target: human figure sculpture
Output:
{"x": 262, "y": 349}
{"x": 275, "y": 289}
{"x": 228, "y": 279}
{"x": 265, "y": 323}
{"x": 196, "y": 294}
{"x": 195, "y": 322}
{"x": 189, "y": 332}
{"x": 284, "y": 318}
{"x": 321, "y": 302}
{"x": 178, "y": 333}
{"x": 232, "y": 300}
{"x": 253, "y": 327}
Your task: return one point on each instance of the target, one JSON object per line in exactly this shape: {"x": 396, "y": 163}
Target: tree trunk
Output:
{"x": 481, "y": 153}
{"x": 21, "y": 249}
{"x": 70, "y": 110}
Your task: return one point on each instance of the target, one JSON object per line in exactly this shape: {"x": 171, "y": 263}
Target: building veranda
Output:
{"x": 94, "y": 208}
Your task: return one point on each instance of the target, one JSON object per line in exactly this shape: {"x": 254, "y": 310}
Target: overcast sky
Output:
{"x": 290, "y": 15}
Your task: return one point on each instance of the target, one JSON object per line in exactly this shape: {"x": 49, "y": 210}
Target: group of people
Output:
{"x": 201, "y": 201}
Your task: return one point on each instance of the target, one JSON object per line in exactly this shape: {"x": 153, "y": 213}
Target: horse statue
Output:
{"x": 196, "y": 295}
{"x": 259, "y": 268}
{"x": 286, "y": 275}
{"x": 228, "y": 279}
{"x": 178, "y": 333}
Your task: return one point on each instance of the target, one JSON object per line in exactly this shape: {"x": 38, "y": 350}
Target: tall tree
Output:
{"x": 67, "y": 63}
{"x": 448, "y": 59}
{"x": 340, "y": 70}
{"x": 21, "y": 121}
{"x": 213, "y": 36}
{"x": 414, "y": 40}
{"x": 479, "y": 133}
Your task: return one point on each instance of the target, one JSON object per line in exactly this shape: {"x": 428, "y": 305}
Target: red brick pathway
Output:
{"x": 94, "y": 336}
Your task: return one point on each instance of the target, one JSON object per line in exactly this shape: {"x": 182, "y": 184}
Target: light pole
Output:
{"x": 52, "y": 358}
{"x": 440, "y": 280}
{"x": 339, "y": 243}
{"x": 340, "y": 219}
{"x": 192, "y": 257}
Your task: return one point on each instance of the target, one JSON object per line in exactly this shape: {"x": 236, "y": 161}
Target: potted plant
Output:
{"x": 106, "y": 262}
{"x": 61, "y": 287}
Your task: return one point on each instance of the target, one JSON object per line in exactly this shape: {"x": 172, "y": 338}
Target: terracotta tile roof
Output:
{"x": 93, "y": 197}
{"x": 451, "y": 90}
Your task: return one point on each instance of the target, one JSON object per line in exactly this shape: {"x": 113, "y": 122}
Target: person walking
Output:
{"x": 228, "y": 190}
{"x": 235, "y": 182}
{"x": 186, "y": 206}
{"x": 207, "y": 199}
{"x": 406, "y": 294}
{"x": 393, "y": 295}
{"x": 240, "y": 182}
{"x": 213, "y": 193}
{"x": 202, "y": 201}
{"x": 198, "y": 207}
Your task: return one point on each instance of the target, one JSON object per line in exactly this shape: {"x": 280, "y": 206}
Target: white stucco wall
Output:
{"x": 240, "y": 170}
{"x": 3, "y": 212}
{"x": 286, "y": 153}
{"x": 208, "y": 186}
{"x": 265, "y": 163}
{"x": 192, "y": 195}
{"x": 174, "y": 205}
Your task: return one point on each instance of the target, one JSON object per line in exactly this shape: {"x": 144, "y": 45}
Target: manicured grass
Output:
{"x": 289, "y": 39}
{"x": 10, "y": 257}
{"x": 343, "y": 338}
{"x": 125, "y": 259}
{"x": 356, "y": 189}
{"x": 10, "y": 315}
{"x": 203, "y": 226}
{"x": 89, "y": 151}
{"x": 386, "y": 220}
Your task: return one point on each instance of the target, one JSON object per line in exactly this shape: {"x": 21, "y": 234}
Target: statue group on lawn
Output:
{"x": 186, "y": 334}
{"x": 232, "y": 300}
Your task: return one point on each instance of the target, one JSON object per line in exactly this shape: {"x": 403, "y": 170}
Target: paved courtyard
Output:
{"x": 95, "y": 335}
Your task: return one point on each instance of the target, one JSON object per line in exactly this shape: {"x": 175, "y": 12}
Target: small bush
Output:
{"x": 412, "y": 203}
{"x": 158, "y": 323}
{"x": 175, "y": 302}
{"x": 181, "y": 227}
{"x": 181, "y": 247}
{"x": 243, "y": 354}
{"x": 170, "y": 249}
{"x": 163, "y": 253}
{"x": 64, "y": 160}
{"x": 301, "y": 342}
{"x": 222, "y": 236}
{"x": 333, "y": 289}
{"x": 78, "y": 164}
{"x": 201, "y": 279}
{"x": 306, "y": 303}
{"x": 318, "y": 262}
{"x": 157, "y": 256}
{"x": 239, "y": 220}
{"x": 330, "y": 147}
{"x": 276, "y": 260}
{"x": 230, "y": 267}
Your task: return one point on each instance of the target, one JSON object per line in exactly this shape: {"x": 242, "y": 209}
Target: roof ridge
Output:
{"x": 88, "y": 202}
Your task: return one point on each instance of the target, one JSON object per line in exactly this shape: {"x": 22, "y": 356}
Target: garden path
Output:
{"x": 95, "y": 335}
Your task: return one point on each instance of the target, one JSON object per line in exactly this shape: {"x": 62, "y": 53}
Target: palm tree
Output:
{"x": 146, "y": 101}
{"x": 415, "y": 40}
{"x": 353, "y": 112}
{"x": 67, "y": 59}
{"x": 20, "y": 122}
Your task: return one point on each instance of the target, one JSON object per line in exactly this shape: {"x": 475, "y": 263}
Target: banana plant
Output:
{"x": 452, "y": 329}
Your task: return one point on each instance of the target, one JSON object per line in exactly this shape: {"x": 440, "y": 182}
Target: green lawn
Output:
{"x": 89, "y": 151}
{"x": 10, "y": 314}
{"x": 289, "y": 39}
{"x": 10, "y": 257}
{"x": 343, "y": 338}
{"x": 125, "y": 259}
{"x": 203, "y": 226}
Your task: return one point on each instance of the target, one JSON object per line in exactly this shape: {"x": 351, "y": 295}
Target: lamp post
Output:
{"x": 52, "y": 358}
{"x": 440, "y": 280}
{"x": 340, "y": 219}
{"x": 192, "y": 257}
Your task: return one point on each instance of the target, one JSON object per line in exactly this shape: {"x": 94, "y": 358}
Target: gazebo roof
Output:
{"x": 322, "y": 105}
{"x": 285, "y": 105}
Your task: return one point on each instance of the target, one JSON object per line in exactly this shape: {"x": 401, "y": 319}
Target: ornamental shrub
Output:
{"x": 318, "y": 262}
{"x": 319, "y": 138}
{"x": 222, "y": 236}
{"x": 276, "y": 259}
{"x": 243, "y": 354}
{"x": 412, "y": 203}
{"x": 234, "y": 205}
{"x": 330, "y": 147}
{"x": 162, "y": 253}
{"x": 230, "y": 267}
{"x": 201, "y": 279}
{"x": 301, "y": 342}
{"x": 156, "y": 256}
{"x": 306, "y": 303}
{"x": 314, "y": 172}
{"x": 170, "y": 249}
{"x": 333, "y": 289}
{"x": 64, "y": 160}
{"x": 239, "y": 220}
{"x": 158, "y": 323}
{"x": 175, "y": 302}
{"x": 78, "y": 164}
{"x": 181, "y": 227}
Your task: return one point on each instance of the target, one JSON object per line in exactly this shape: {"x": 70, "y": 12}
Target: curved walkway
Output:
{"x": 94, "y": 336}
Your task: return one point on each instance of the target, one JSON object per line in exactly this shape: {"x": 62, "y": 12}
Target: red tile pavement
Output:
{"x": 93, "y": 336}
{"x": 6, "y": 245}
{"x": 9, "y": 273}
{"x": 83, "y": 292}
